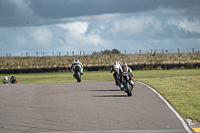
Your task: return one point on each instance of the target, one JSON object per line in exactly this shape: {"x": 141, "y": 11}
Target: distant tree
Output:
{"x": 107, "y": 51}
{"x": 95, "y": 53}
{"x": 115, "y": 51}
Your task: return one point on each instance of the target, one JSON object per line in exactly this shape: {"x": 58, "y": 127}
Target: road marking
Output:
{"x": 173, "y": 110}
{"x": 196, "y": 129}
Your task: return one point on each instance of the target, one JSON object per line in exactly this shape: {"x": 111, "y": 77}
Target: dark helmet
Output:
{"x": 124, "y": 67}
{"x": 76, "y": 61}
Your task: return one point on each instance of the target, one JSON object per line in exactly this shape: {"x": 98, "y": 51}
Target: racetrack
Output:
{"x": 93, "y": 106}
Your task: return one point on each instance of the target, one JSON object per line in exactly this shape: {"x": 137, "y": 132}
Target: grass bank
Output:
{"x": 98, "y": 60}
{"x": 179, "y": 87}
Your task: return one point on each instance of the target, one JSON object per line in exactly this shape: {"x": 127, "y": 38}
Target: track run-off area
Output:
{"x": 86, "y": 107}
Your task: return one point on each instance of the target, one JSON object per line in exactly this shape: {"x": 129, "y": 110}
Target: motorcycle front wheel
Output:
{"x": 128, "y": 90}
{"x": 78, "y": 76}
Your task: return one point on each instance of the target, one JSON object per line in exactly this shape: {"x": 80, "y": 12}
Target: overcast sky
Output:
{"x": 93, "y": 25}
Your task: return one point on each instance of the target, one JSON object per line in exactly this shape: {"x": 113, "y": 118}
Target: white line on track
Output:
{"x": 173, "y": 110}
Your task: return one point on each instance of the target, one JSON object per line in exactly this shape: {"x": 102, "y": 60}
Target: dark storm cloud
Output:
{"x": 7, "y": 9}
{"x": 74, "y": 8}
{"x": 46, "y": 11}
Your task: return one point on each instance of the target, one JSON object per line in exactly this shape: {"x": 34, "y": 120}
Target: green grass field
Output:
{"x": 180, "y": 87}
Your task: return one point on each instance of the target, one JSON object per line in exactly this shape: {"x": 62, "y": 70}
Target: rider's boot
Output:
{"x": 73, "y": 73}
{"x": 132, "y": 83}
{"x": 121, "y": 87}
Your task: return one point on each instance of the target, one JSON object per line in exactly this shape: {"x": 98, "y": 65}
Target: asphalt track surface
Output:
{"x": 84, "y": 107}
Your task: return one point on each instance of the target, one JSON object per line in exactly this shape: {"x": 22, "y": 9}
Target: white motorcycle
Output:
{"x": 77, "y": 70}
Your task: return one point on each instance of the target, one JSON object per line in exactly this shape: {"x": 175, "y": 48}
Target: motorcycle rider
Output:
{"x": 116, "y": 66}
{"x": 12, "y": 78}
{"x": 6, "y": 80}
{"x": 76, "y": 61}
{"x": 125, "y": 68}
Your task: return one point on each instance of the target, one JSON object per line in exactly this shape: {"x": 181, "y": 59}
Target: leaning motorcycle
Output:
{"x": 5, "y": 81}
{"x": 77, "y": 69}
{"x": 126, "y": 81}
{"x": 13, "y": 80}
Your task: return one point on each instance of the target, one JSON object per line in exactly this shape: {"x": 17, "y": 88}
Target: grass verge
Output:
{"x": 183, "y": 92}
{"x": 179, "y": 87}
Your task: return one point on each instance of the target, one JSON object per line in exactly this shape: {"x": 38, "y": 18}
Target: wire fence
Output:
{"x": 84, "y": 53}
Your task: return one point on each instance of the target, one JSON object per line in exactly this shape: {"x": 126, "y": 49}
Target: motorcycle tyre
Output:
{"x": 127, "y": 88}
{"x": 78, "y": 76}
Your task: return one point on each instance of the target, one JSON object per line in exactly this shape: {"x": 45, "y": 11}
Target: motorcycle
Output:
{"x": 13, "y": 80}
{"x": 5, "y": 81}
{"x": 77, "y": 69}
{"x": 126, "y": 82}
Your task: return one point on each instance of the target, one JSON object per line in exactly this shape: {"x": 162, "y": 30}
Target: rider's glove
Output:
{"x": 110, "y": 71}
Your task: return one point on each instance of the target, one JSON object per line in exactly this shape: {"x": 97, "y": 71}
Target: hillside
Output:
{"x": 97, "y": 60}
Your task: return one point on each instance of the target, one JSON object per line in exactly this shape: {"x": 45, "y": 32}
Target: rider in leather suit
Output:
{"x": 74, "y": 63}
{"x": 125, "y": 68}
{"x": 116, "y": 66}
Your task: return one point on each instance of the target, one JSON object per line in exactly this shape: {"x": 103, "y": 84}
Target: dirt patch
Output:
{"x": 196, "y": 123}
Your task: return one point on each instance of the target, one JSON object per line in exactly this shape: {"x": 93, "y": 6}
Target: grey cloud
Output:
{"x": 7, "y": 9}
{"x": 72, "y": 8}
{"x": 51, "y": 11}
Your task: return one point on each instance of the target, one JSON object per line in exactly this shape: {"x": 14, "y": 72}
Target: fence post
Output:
{"x": 193, "y": 50}
{"x": 140, "y": 51}
{"x": 52, "y": 53}
{"x": 80, "y": 53}
{"x": 6, "y": 54}
{"x": 73, "y": 53}
{"x": 26, "y": 54}
{"x": 162, "y": 51}
{"x": 125, "y": 51}
{"x": 59, "y": 53}
{"x": 67, "y": 53}
{"x": 151, "y": 51}
{"x": 178, "y": 51}
{"x": 9, "y": 54}
{"x": 36, "y": 54}
{"x": 43, "y": 54}
{"x": 83, "y": 53}
{"x": 155, "y": 51}
{"x": 21, "y": 54}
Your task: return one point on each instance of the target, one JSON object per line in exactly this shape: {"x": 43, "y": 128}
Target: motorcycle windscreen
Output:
{"x": 116, "y": 70}
{"x": 124, "y": 68}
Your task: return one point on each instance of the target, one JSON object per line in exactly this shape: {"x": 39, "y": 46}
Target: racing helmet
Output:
{"x": 119, "y": 62}
{"x": 76, "y": 61}
{"x": 124, "y": 67}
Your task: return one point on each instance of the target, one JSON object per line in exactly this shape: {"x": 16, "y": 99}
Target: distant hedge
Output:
{"x": 103, "y": 68}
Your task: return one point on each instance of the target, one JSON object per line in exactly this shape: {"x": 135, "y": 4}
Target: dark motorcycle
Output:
{"x": 77, "y": 69}
{"x": 13, "y": 80}
{"x": 126, "y": 81}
